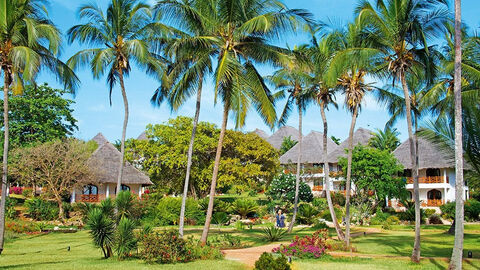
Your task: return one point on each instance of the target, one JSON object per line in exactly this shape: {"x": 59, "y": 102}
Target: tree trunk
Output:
{"x": 456, "y": 259}
{"x": 60, "y": 208}
{"x": 348, "y": 183}
{"x": 299, "y": 162}
{"x": 413, "y": 156}
{"x": 218, "y": 155}
{"x": 5, "y": 160}
{"x": 326, "y": 172}
{"x": 124, "y": 132}
{"x": 189, "y": 157}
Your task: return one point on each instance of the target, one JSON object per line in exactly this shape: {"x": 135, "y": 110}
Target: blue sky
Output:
{"x": 94, "y": 113}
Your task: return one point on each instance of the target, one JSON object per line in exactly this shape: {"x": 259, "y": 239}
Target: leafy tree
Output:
{"x": 283, "y": 188}
{"x": 376, "y": 170}
{"x": 248, "y": 160}
{"x": 40, "y": 115}
{"x": 102, "y": 230}
{"x": 126, "y": 34}
{"x": 29, "y": 42}
{"x": 59, "y": 165}
{"x": 385, "y": 140}
{"x": 287, "y": 144}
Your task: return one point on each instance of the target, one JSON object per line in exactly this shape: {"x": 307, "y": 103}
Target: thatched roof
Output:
{"x": 99, "y": 139}
{"x": 360, "y": 136}
{"x": 106, "y": 159}
{"x": 262, "y": 134}
{"x": 277, "y": 138}
{"x": 312, "y": 149}
{"x": 142, "y": 136}
{"x": 429, "y": 155}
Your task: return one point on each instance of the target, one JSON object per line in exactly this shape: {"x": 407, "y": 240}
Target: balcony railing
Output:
{"x": 317, "y": 188}
{"x": 89, "y": 198}
{"x": 428, "y": 180}
{"x": 433, "y": 202}
{"x": 310, "y": 170}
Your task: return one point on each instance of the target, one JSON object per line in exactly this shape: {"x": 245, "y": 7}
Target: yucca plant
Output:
{"x": 124, "y": 204}
{"x": 108, "y": 207}
{"x": 244, "y": 207}
{"x": 125, "y": 240}
{"x": 272, "y": 233}
{"x": 102, "y": 230}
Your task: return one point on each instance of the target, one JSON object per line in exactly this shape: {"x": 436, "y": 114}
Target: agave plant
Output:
{"x": 102, "y": 231}
{"x": 125, "y": 240}
{"x": 272, "y": 233}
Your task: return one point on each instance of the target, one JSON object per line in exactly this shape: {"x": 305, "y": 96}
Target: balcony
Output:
{"x": 433, "y": 202}
{"x": 307, "y": 170}
{"x": 317, "y": 188}
{"x": 428, "y": 180}
{"x": 89, "y": 198}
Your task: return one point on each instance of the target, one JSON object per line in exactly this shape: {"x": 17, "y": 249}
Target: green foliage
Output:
{"x": 107, "y": 207}
{"x": 319, "y": 225}
{"x": 239, "y": 226}
{"x": 385, "y": 140}
{"x": 102, "y": 230}
{"x": 165, "y": 247}
{"x": 40, "y": 115}
{"x": 225, "y": 241}
{"x": 435, "y": 219}
{"x": 448, "y": 210}
{"x": 336, "y": 140}
{"x": 287, "y": 144}
{"x": 472, "y": 210}
{"x": 273, "y": 234}
{"x": 84, "y": 208}
{"x": 376, "y": 170}
{"x": 327, "y": 216}
{"x": 125, "y": 240}
{"x": 283, "y": 188}
{"x": 320, "y": 203}
{"x": 409, "y": 214}
{"x": 244, "y": 207}
{"x": 40, "y": 209}
{"x": 220, "y": 218}
{"x": 307, "y": 214}
{"x": 247, "y": 160}
{"x": 124, "y": 203}
{"x": 429, "y": 212}
{"x": 338, "y": 198}
{"x": 168, "y": 211}
{"x": 10, "y": 211}
{"x": 268, "y": 262}
{"x": 219, "y": 205}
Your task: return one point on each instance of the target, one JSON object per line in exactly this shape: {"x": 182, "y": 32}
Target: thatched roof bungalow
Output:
{"x": 312, "y": 150}
{"x": 361, "y": 136}
{"x": 277, "y": 138}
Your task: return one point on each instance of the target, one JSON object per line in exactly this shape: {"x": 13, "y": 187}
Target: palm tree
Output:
{"x": 28, "y": 42}
{"x": 239, "y": 30}
{"x": 385, "y": 139}
{"x": 125, "y": 34}
{"x": 456, "y": 259}
{"x": 400, "y": 29}
{"x": 186, "y": 75}
{"x": 320, "y": 53}
{"x": 295, "y": 80}
{"x": 349, "y": 66}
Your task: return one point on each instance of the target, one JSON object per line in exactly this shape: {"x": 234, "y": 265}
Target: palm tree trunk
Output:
{"x": 218, "y": 155}
{"x": 348, "y": 184}
{"x": 326, "y": 171}
{"x": 189, "y": 157}
{"x": 124, "y": 132}
{"x": 456, "y": 259}
{"x": 5, "y": 160}
{"x": 299, "y": 161}
{"x": 413, "y": 155}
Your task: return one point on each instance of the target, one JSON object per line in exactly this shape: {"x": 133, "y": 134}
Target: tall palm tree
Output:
{"x": 400, "y": 30}
{"x": 385, "y": 139}
{"x": 294, "y": 81}
{"x": 191, "y": 66}
{"x": 320, "y": 55}
{"x": 28, "y": 42}
{"x": 349, "y": 66}
{"x": 125, "y": 33}
{"x": 456, "y": 259}
{"x": 238, "y": 31}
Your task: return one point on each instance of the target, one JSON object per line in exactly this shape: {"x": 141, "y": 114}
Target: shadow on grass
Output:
{"x": 33, "y": 265}
{"x": 435, "y": 262}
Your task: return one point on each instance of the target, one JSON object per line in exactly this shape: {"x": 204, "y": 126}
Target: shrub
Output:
{"x": 199, "y": 252}
{"x": 379, "y": 218}
{"x": 394, "y": 220}
{"x": 27, "y": 193}
{"x": 168, "y": 211}
{"x": 165, "y": 247}
{"x": 472, "y": 209}
{"x": 448, "y": 210}
{"x": 244, "y": 207}
{"x": 220, "y": 218}
{"x": 313, "y": 246}
{"x": 125, "y": 240}
{"x": 320, "y": 203}
{"x": 225, "y": 241}
{"x": 386, "y": 225}
{"x": 318, "y": 225}
{"x": 124, "y": 203}
{"x": 102, "y": 231}
{"x": 84, "y": 209}
{"x": 435, "y": 219}
{"x": 108, "y": 208}
{"x": 429, "y": 212}
{"x": 307, "y": 213}
{"x": 18, "y": 226}
{"x": 409, "y": 214}
{"x": 268, "y": 262}
{"x": 239, "y": 226}
{"x": 219, "y": 205}
{"x": 15, "y": 190}
{"x": 338, "y": 198}
{"x": 283, "y": 188}
{"x": 40, "y": 209}
{"x": 327, "y": 216}
{"x": 272, "y": 233}
{"x": 10, "y": 211}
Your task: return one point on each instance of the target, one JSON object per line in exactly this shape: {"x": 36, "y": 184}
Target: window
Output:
{"x": 318, "y": 181}
{"x": 407, "y": 173}
{"x": 90, "y": 190}
{"x": 434, "y": 194}
{"x": 433, "y": 172}
{"x": 125, "y": 188}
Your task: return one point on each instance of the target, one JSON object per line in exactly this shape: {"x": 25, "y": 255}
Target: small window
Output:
{"x": 434, "y": 194}
{"x": 123, "y": 188}
{"x": 433, "y": 172}
{"x": 407, "y": 173}
{"x": 90, "y": 190}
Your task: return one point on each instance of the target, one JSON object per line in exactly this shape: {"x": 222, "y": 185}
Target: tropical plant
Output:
{"x": 125, "y": 240}
{"x": 307, "y": 214}
{"x": 401, "y": 30}
{"x": 29, "y": 42}
{"x": 244, "y": 207}
{"x": 273, "y": 234}
{"x": 102, "y": 230}
{"x": 124, "y": 203}
{"x": 283, "y": 188}
{"x": 310, "y": 246}
{"x": 268, "y": 262}
{"x": 287, "y": 144}
{"x": 108, "y": 207}
{"x": 385, "y": 139}
{"x": 127, "y": 33}
{"x": 166, "y": 247}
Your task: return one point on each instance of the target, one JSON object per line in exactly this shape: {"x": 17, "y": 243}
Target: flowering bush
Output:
{"x": 313, "y": 246}
{"x": 15, "y": 190}
{"x": 283, "y": 188}
{"x": 18, "y": 226}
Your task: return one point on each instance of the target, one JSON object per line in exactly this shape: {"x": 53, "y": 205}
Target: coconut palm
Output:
{"x": 125, "y": 35}
{"x": 349, "y": 66}
{"x": 191, "y": 66}
{"x": 385, "y": 139}
{"x": 238, "y": 31}
{"x": 400, "y": 30}
{"x": 28, "y": 42}
{"x": 294, "y": 80}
